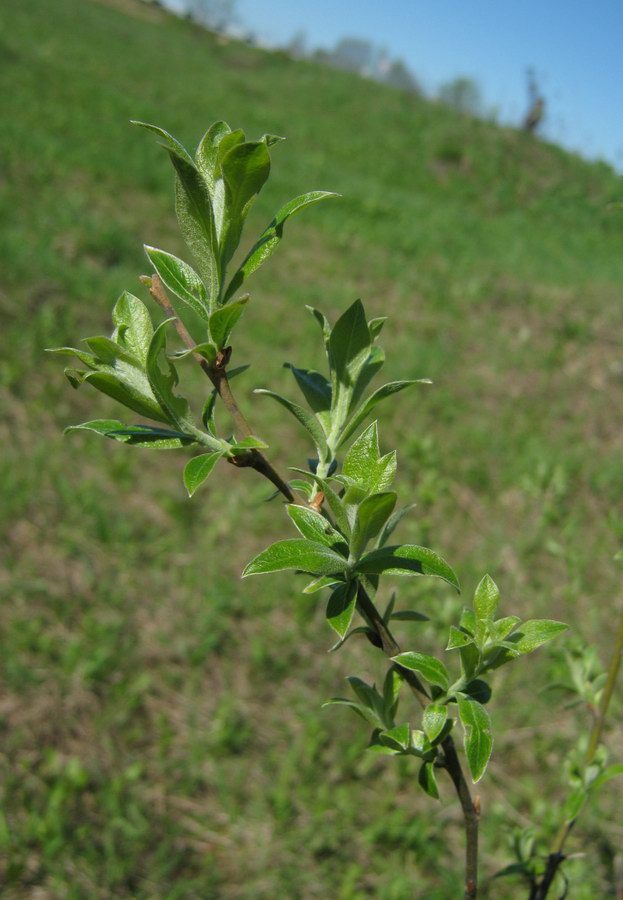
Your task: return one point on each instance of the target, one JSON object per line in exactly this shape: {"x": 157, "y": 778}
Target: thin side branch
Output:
{"x": 217, "y": 374}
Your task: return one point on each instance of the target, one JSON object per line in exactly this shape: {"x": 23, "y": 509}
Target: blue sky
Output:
{"x": 575, "y": 48}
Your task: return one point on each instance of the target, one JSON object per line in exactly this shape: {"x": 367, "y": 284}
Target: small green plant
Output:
{"x": 341, "y": 504}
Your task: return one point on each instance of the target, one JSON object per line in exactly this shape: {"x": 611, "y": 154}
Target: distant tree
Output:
{"x": 356, "y": 55}
{"x": 297, "y": 46}
{"x": 462, "y": 94}
{"x": 536, "y": 104}
{"x": 400, "y": 76}
{"x": 218, "y": 15}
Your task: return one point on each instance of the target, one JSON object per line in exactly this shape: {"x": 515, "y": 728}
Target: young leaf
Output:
{"x": 180, "y": 278}
{"x": 308, "y": 556}
{"x": 362, "y": 456}
{"x": 317, "y": 391}
{"x": 315, "y": 527}
{"x": 305, "y": 418}
{"x": 133, "y": 327}
{"x": 503, "y": 627}
{"x": 486, "y": 599}
{"x": 427, "y": 780}
{"x": 319, "y": 584}
{"x": 392, "y": 523}
{"x": 303, "y": 487}
{"x": 398, "y": 737}
{"x": 366, "y": 408}
{"x": 270, "y": 238}
{"x": 163, "y": 383}
{"x": 168, "y": 141}
{"x": 430, "y": 668}
{"x": 434, "y": 719}
{"x": 208, "y": 152}
{"x": 369, "y": 715}
{"x": 372, "y": 514}
{"x": 407, "y": 559}
{"x": 223, "y": 321}
{"x": 196, "y": 219}
{"x": 341, "y": 607}
{"x": 391, "y": 692}
{"x": 130, "y": 387}
{"x": 250, "y": 442}
{"x": 349, "y": 345}
{"x": 409, "y": 615}
{"x": 376, "y": 326}
{"x": 533, "y": 633}
{"x": 477, "y": 735}
{"x": 198, "y": 469}
{"x": 135, "y": 435}
{"x": 244, "y": 169}
{"x": 458, "y": 639}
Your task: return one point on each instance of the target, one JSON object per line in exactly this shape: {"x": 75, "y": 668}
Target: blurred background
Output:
{"x": 161, "y": 724}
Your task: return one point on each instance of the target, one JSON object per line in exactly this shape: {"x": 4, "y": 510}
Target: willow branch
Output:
{"x": 217, "y": 374}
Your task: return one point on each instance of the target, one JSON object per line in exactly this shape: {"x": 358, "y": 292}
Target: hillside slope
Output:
{"x": 142, "y": 756}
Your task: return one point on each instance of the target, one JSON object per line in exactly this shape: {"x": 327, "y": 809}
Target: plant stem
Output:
{"x": 556, "y": 855}
{"x": 451, "y": 761}
{"x": 217, "y": 374}
{"x": 256, "y": 460}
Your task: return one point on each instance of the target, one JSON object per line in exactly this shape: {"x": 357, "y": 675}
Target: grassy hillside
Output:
{"x": 160, "y": 736}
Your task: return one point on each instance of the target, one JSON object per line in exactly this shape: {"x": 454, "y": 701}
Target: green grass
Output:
{"x": 161, "y": 726}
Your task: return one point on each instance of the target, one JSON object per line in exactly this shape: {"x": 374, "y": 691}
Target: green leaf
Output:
{"x": 318, "y": 584}
{"x": 196, "y": 219}
{"x": 305, "y": 418}
{"x": 206, "y": 350}
{"x": 130, "y": 387}
{"x": 109, "y": 353}
{"x": 245, "y": 169}
{"x": 376, "y": 326}
{"x": 367, "y": 714}
{"x": 430, "y": 668}
{"x": 223, "y": 321}
{"x": 372, "y": 514}
{"x": 392, "y": 523}
{"x": 207, "y": 156}
{"x": 198, "y": 469}
{"x": 434, "y": 719}
{"x": 409, "y": 615}
{"x": 341, "y": 607}
{"x": 180, "y": 278}
{"x": 607, "y": 775}
{"x": 271, "y": 237}
{"x": 308, "y": 556}
{"x": 360, "y": 630}
{"x": 317, "y": 391}
{"x": 458, "y": 638}
{"x": 366, "y": 408}
{"x": 334, "y": 502}
{"x": 369, "y": 696}
{"x": 168, "y": 141}
{"x": 133, "y": 327}
{"x": 427, "y": 780}
{"x": 313, "y": 526}
{"x": 349, "y": 344}
{"x": 391, "y": 692}
{"x": 398, "y": 737}
{"x": 363, "y": 456}
{"x": 303, "y": 487}
{"x": 533, "y": 633}
{"x": 163, "y": 382}
{"x": 486, "y": 599}
{"x": 407, "y": 559}
{"x": 502, "y": 628}
{"x": 86, "y": 358}
{"x": 135, "y": 435}
{"x": 477, "y": 735}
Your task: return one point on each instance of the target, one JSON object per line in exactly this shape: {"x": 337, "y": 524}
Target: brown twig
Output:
{"x": 217, "y": 374}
